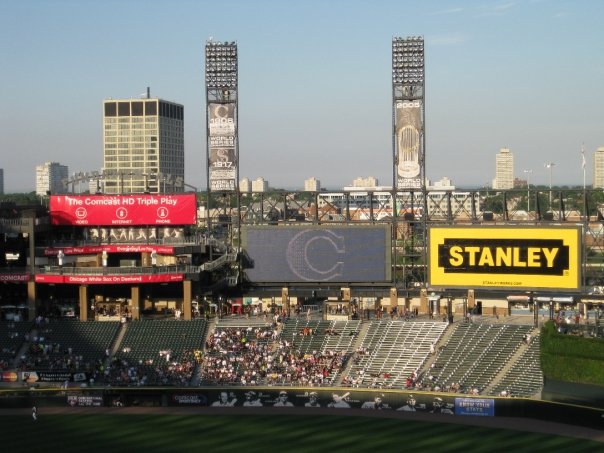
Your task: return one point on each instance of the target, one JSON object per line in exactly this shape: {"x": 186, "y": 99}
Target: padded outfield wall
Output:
{"x": 329, "y": 399}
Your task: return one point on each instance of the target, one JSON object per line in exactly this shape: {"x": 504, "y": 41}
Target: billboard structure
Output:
{"x": 510, "y": 257}
{"x": 221, "y": 112}
{"x": 409, "y": 143}
{"x": 123, "y": 210}
{"x": 222, "y": 160}
{"x": 317, "y": 254}
{"x": 408, "y": 115}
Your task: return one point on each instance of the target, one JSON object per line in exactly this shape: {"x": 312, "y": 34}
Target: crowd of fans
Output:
{"x": 238, "y": 355}
{"x": 44, "y": 354}
{"x": 168, "y": 369}
{"x": 254, "y": 356}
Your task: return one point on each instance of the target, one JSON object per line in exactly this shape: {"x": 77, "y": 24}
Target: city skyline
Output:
{"x": 314, "y": 84}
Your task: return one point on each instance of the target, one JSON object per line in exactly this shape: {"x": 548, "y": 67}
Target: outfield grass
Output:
{"x": 104, "y": 433}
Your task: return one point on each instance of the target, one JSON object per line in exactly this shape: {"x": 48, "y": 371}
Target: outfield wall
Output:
{"x": 332, "y": 399}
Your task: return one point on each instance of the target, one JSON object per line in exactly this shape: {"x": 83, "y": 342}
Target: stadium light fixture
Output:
{"x": 408, "y": 60}
{"x": 221, "y": 65}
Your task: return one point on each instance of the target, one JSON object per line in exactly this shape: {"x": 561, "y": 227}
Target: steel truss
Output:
{"x": 412, "y": 215}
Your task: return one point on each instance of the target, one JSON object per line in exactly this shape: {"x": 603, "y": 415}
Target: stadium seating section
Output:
{"x": 481, "y": 358}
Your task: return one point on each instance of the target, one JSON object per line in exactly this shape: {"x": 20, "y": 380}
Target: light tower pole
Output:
{"x": 550, "y": 165}
{"x": 528, "y": 189}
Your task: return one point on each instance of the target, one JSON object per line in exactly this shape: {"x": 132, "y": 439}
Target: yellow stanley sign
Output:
{"x": 505, "y": 257}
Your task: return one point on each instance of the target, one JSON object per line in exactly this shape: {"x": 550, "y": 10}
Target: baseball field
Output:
{"x": 195, "y": 429}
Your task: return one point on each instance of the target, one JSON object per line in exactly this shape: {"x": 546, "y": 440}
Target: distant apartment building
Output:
{"x": 443, "y": 183}
{"x": 598, "y": 181}
{"x": 504, "y": 170}
{"x": 369, "y": 181}
{"x": 259, "y": 185}
{"x": 1, "y": 181}
{"x": 96, "y": 185}
{"x": 312, "y": 185}
{"x": 51, "y": 177}
{"x": 245, "y": 185}
{"x": 143, "y": 146}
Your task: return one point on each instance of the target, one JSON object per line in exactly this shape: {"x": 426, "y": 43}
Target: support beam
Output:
{"x": 83, "y": 292}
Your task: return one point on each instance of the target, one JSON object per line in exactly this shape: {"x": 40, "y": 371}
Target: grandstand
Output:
{"x": 394, "y": 351}
{"x": 153, "y": 352}
{"x": 481, "y": 358}
{"x": 524, "y": 376}
{"x": 474, "y": 354}
{"x": 65, "y": 344}
{"x": 12, "y": 336}
{"x": 321, "y": 335}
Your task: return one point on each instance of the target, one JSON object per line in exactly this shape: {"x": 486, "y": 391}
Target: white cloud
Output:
{"x": 497, "y": 9}
{"x": 448, "y": 11}
{"x": 451, "y": 39}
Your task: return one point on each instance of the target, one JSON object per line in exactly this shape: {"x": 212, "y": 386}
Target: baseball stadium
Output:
{"x": 402, "y": 318}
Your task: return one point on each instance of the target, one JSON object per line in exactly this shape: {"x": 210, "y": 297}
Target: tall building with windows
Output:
{"x": 51, "y": 177}
{"x": 259, "y": 185}
{"x": 504, "y": 170}
{"x": 312, "y": 185}
{"x": 143, "y": 146}
{"x": 598, "y": 181}
{"x": 245, "y": 185}
{"x": 1, "y": 181}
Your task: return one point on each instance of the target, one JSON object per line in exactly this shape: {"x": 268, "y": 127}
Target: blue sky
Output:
{"x": 314, "y": 83}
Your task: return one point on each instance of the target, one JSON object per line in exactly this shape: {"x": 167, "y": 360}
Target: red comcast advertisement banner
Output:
{"x": 140, "y": 209}
{"x": 88, "y": 250}
{"x": 109, "y": 279}
{"x": 14, "y": 278}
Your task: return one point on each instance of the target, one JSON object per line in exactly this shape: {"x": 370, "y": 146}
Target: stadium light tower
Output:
{"x": 222, "y": 106}
{"x": 408, "y": 119}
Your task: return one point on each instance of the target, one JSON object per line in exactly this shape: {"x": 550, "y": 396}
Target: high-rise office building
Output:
{"x": 504, "y": 170}
{"x": 143, "y": 146}
{"x": 51, "y": 177}
{"x": 1, "y": 180}
{"x": 598, "y": 182}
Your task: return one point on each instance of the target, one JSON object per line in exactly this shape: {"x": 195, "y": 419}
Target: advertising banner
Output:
{"x": 527, "y": 258}
{"x": 14, "y": 278}
{"x": 319, "y": 398}
{"x": 222, "y": 158}
{"x": 409, "y": 143}
{"x": 52, "y": 376}
{"x": 123, "y": 210}
{"x": 109, "y": 279}
{"x": 84, "y": 400}
{"x": 8, "y": 376}
{"x": 482, "y": 407}
{"x": 186, "y": 399}
{"x": 93, "y": 249}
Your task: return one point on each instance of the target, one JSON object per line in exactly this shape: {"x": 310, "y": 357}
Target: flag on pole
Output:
{"x": 583, "y": 155}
